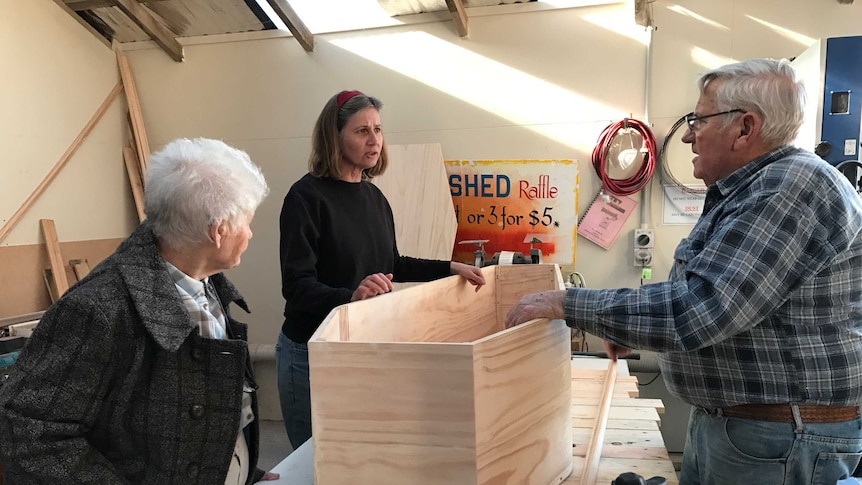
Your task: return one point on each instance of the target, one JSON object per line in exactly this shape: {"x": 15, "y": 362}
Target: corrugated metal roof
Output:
{"x": 165, "y": 21}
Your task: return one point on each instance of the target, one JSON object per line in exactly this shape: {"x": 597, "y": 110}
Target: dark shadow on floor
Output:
{"x": 274, "y": 445}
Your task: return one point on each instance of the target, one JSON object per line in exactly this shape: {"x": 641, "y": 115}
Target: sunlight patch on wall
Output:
{"x": 700, "y": 18}
{"x": 619, "y": 21}
{"x": 709, "y": 60}
{"x": 802, "y": 40}
{"x": 522, "y": 99}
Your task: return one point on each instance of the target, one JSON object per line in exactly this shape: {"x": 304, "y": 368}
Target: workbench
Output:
{"x": 632, "y": 440}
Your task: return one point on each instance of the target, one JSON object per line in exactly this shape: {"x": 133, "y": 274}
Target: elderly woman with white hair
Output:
{"x": 139, "y": 373}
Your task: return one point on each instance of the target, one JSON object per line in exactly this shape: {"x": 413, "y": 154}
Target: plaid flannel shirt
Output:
{"x": 764, "y": 300}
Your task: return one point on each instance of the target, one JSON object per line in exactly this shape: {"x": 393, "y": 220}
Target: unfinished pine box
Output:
{"x": 426, "y": 386}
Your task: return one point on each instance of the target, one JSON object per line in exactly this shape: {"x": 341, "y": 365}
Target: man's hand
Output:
{"x": 468, "y": 272}
{"x": 547, "y": 304}
{"x": 614, "y": 351}
{"x": 373, "y": 285}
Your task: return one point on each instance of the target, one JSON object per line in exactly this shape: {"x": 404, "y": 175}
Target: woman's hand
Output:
{"x": 468, "y": 272}
{"x": 373, "y": 285}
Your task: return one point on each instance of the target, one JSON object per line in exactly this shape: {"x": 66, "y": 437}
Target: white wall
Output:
{"x": 54, "y": 74}
{"x": 522, "y": 86}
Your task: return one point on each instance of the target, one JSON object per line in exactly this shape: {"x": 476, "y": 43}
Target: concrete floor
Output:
{"x": 274, "y": 445}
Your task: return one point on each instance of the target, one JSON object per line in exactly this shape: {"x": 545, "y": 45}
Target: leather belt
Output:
{"x": 783, "y": 413}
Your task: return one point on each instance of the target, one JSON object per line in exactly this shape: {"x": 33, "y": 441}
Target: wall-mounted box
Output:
{"x": 425, "y": 386}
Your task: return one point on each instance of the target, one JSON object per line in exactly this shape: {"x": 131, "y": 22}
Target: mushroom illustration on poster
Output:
{"x": 510, "y": 203}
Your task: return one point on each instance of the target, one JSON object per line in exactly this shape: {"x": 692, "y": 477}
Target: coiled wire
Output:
{"x": 667, "y": 177}
{"x": 645, "y": 172}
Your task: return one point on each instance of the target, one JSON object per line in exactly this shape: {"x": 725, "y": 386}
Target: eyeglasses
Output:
{"x": 691, "y": 118}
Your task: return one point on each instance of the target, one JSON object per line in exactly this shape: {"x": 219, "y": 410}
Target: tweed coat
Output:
{"x": 117, "y": 386}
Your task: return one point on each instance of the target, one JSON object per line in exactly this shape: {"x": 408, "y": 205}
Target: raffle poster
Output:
{"x": 510, "y": 202}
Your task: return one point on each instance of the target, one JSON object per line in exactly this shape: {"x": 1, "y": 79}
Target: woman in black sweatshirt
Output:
{"x": 338, "y": 242}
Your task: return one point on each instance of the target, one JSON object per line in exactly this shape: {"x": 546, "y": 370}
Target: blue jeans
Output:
{"x": 294, "y": 389}
{"x": 723, "y": 450}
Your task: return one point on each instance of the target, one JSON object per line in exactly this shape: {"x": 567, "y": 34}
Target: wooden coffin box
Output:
{"x": 425, "y": 386}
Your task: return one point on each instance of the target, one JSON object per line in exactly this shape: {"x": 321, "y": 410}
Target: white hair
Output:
{"x": 193, "y": 184}
{"x": 768, "y": 87}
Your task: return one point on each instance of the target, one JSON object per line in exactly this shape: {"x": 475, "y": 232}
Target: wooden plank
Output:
{"x": 624, "y": 444}
{"x": 13, "y": 221}
{"x": 81, "y": 268}
{"x": 377, "y": 319}
{"x": 78, "y": 5}
{"x": 21, "y": 272}
{"x": 161, "y": 35}
{"x": 15, "y": 319}
{"x": 133, "y": 168}
{"x": 50, "y": 284}
{"x": 343, "y": 324}
{"x": 459, "y": 16}
{"x": 140, "y": 168}
{"x": 421, "y": 394}
{"x": 598, "y": 376}
{"x": 515, "y": 281}
{"x": 462, "y": 399}
{"x": 617, "y": 423}
{"x": 643, "y": 13}
{"x": 656, "y": 404}
{"x": 296, "y": 26}
{"x": 523, "y": 404}
{"x": 610, "y": 468}
{"x": 136, "y": 117}
{"x": 632, "y": 440}
{"x": 417, "y": 187}
{"x": 582, "y": 387}
{"x": 52, "y": 245}
{"x": 594, "y": 450}
{"x": 624, "y": 413}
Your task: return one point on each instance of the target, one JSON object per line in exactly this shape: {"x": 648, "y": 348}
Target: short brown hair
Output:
{"x": 325, "y": 159}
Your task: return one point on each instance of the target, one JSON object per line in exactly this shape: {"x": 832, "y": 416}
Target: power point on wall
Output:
{"x": 643, "y": 244}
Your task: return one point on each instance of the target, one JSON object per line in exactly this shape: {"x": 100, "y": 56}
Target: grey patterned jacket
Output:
{"x": 117, "y": 386}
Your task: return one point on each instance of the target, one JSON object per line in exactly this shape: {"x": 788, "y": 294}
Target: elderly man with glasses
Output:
{"x": 759, "y": 326}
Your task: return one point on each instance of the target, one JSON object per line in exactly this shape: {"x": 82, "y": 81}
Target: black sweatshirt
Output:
{"x": 334, "y": 234}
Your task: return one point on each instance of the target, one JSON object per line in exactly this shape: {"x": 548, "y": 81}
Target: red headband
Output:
{"x": 344, "y": 96}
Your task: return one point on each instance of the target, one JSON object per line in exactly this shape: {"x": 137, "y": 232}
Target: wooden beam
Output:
{"x": 296, "y": 26}
{"x": 136, "y": 117}
{"x": 81, "y": 267}
{"x": 60, "y": 283}
{"x": 459, "y": 16}
{"x": 160, "y": 34}
{"x": 4, "y": 231}
{"x": 134, "y": 170}
{"x": 16, "y": 319}
{"x": 78, "y": 5}
{"x": 643, "y": 13}
{"x": 83, "y": 23}
{"x": 48, "y": 278}
{"x": 594, "y": 450}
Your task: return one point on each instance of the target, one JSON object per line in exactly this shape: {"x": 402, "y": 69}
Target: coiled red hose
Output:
{"x": 637, "y": 181}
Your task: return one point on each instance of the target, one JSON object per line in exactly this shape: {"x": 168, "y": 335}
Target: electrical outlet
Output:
{"x": 643, "y": 243}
